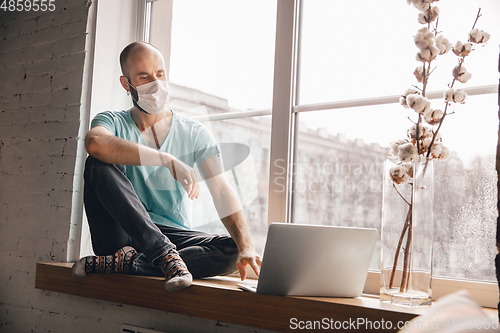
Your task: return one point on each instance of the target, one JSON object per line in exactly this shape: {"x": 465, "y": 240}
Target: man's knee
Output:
{"x": 231, "y": 252}
{"x": 228, "y": 246}
{"x": 95, "y": 167}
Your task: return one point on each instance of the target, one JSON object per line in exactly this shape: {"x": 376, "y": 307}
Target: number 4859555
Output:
{"x": 27, "y": 5}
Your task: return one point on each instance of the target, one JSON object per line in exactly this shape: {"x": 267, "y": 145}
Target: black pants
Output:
{"x": 117, "y": 218}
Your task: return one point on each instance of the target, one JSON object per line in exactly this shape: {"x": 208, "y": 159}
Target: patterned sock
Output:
{"x": 119, "y": 262}
{"x": 177, "y": 275}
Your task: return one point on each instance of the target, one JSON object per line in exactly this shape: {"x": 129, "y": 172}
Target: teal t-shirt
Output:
{"x": 160, "y": 193}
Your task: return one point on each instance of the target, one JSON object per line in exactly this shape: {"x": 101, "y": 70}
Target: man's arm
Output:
{"x": 230, "y": 210}
{"x": 103, "y": 145}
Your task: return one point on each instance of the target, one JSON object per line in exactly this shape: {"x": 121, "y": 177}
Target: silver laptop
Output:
{"x": 314, "y": 260}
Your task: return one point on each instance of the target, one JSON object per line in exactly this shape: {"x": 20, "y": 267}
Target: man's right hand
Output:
{"x": 185, "y": 175}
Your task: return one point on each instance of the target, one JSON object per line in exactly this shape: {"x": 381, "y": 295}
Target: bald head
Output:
{"x": 133, "y": 49}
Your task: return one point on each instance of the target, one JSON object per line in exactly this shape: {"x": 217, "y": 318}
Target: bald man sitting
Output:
{"x": 137, "y": 176}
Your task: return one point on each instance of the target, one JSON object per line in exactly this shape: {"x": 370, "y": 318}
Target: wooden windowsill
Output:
{"x": 218, "y": 299}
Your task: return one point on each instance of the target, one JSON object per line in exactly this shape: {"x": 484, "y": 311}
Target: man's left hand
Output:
{"x": 248, "y": 257}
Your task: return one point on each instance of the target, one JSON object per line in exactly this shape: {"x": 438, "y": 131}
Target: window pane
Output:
{"x": 339, "y": 178}
{"x": 221, "y": 61}
{"x": 225, "y": 48}
{"x": 247, "y": 175}
{"x": 359, "y": 49}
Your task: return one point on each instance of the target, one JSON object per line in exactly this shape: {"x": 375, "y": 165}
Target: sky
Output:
{"x": 350, "y": 49}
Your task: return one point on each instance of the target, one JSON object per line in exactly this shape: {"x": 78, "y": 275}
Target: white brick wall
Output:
{"x": 41, "y": 71}
{"x": 41, "y": 61}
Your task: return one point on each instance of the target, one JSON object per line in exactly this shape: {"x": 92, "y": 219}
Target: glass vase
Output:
{"x": 407, "y": 235}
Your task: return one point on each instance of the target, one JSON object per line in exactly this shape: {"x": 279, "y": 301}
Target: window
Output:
{"x": 352, "y": 62}
{"x": 331, "y": 72}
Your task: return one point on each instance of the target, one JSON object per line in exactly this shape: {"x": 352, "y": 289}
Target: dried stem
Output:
{"x": 400, "y": 243}
{"x": 477, "y": 17}
{"x": 395, "y": 187}
{"x": 405, "y": 278}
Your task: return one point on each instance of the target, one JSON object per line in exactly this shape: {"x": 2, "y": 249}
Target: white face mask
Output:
{"x": 153, "y": 96}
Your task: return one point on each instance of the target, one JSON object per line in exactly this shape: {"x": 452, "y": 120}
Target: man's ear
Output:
{"x": 124, "y": 83}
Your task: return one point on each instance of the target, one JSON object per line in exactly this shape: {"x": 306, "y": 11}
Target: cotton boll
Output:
{"x": 426, "y": 108}
{"x": 428, "y": 54}
{"x": 419, "y": 4}
{"x": 460, "y": 73}
{"x": 462, "y": 49}
{"x": 467, "y": 48}
{"x": 448, "y": 44}
{"x": 458, "y": 70}
{"x": 425, "y": 138}
{"x": 420, "y": 41}
{"x": 455, "y": 96}
{"x": 407, "y": 152}
{"x": 402, "y": 101}
{"x": 423, "y": 55}
{"x": 459, "y": 96}
{"x": 423, "y": 132}
{"x": 422, "y": 18}
{"x": 466, "y": 77}
{"x": 434, "y": 52}
{"x": 448, "y": 95}
{"x": 442, "y": 48}
{"x": 399, "y": 175}
{"x": 412, "y": 133}
{"x": 439, "y": 151}
{"x": 486, "y": 37}
{"x": 409, "y": 168}
{"x": 426, "y": 131}
{"x": 395, "y": 145}
{"x": 443, "y": 44}
{"x": 436, "y": 150}
{"x": 424, "y": 38}
{"x": 394, "y": 148}
{"x": 415, "y": 100}
{"x": 428, "y": 15}
{"x": 429, "y": 35}
{"x": 425, "y": 143}
{"x": 419, "y": 73}
{"x": 475, "y": 35}
{"x": 458, "y": 47}
{"x": 432, "y": 117}
{"x": 445, "y": 153}
{"x": 409, "y": 91}
{"x": 418, "y": 103}
{"x": 478, "y": 36}
{"x": 434, "y": 12}
{"x": 412, "y": 98}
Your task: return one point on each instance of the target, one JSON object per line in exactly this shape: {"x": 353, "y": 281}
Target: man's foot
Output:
{"x": 119, "y": 262}
{"x": 177, "y": 276}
